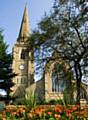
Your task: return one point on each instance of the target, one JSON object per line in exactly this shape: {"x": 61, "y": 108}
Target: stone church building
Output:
{"x": 23, "y": 65}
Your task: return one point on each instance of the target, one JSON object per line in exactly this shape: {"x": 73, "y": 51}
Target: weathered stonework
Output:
{"x": 23, "y": 66}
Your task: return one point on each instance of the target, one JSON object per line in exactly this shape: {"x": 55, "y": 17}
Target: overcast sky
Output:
{"x": 11, "y": 12}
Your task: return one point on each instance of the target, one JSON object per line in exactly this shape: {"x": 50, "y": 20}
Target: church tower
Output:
{"x": 23, "y": 65}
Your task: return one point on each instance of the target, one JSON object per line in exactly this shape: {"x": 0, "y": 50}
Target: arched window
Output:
{"x": 24, "y": 54}
{"x": 17, "y": 80}
{"x": 58, "y": 79}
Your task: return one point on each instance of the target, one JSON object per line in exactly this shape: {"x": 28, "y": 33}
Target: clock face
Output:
{"x": 21, "y": 67}
{"x": 85, "y": 80}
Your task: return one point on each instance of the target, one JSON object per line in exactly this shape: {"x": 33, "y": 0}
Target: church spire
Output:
{"x": 24, "y": 30}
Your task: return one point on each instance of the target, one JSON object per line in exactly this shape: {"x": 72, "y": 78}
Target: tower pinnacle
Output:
{"x": 25, "y": 29}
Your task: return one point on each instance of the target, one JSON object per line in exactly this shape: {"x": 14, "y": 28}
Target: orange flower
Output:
{"x": 76, "y": 113}
{"x": 57, "y": 109}
{"x": 82, "y": 112}
{"x": 21, "y": 110}
{"x": 30, "y": 115}
{"x": 39, "y": 111}
{"x": 68, "y": 113}
{"x": 57, "y": 116}
{"x": 85, "y": 107}
{"x": 3, "y": 118}
{"x": 74, "y": 108}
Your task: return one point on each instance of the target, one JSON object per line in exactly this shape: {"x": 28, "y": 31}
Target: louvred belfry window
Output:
{"x": 24, "y": 54}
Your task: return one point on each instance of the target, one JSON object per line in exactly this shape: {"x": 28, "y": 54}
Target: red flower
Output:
{"x": 49, "y": 113}
{"x": 68, "y": 113}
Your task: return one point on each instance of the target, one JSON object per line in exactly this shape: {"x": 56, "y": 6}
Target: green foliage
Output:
{"x": 5, "y": 66}
{"x": 10, "y": 116}
{"x": 55, "y": 102}
{"x": 30, "y": 102}
{"x": 68, "y": 98}
{"x": 65, "y": 30}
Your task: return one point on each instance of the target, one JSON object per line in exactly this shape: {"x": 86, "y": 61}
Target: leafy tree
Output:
{"x": 5, "y": 66}
{"x": 65, "y": 30}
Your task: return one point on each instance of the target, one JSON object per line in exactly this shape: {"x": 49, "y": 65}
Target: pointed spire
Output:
{"x": 25, "y": 30}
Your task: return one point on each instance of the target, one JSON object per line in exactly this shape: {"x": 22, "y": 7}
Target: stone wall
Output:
{"x": 37, "y": 88}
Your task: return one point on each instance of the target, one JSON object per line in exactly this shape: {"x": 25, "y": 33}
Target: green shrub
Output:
{"x": 30, "y": 102}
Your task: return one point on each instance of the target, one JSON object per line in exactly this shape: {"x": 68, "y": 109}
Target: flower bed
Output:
{"x": 45, "y": 112}
{"x": 59, "y": 112}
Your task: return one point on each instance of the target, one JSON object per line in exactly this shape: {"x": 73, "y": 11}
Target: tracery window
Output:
{"x": 58, "y": 79}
